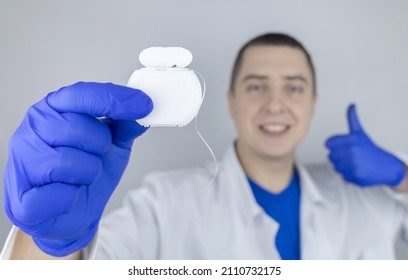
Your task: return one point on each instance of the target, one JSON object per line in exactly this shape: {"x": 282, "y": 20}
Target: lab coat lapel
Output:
{"x": 239, "y": 187}
{"x": 253, "y": 216}
{"x": 315, "y": 241}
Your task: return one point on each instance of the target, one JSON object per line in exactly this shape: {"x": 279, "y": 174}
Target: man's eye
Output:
{"x": 294, "y": 89}
{"x": 255, "y": 88}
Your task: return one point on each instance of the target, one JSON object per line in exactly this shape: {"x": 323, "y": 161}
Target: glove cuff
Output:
{"x": 62, "y": 248}
{"x": 400, "y": 176}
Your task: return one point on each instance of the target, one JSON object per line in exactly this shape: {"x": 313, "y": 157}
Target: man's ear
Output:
{"x": 230, "y": 96}
{"x": 315, "y": 99}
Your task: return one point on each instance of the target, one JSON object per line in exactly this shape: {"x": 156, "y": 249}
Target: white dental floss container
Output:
{"x": 175, "y": 90}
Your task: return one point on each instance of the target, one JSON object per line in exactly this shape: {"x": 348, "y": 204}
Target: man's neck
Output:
{"x": 273, "y": 174}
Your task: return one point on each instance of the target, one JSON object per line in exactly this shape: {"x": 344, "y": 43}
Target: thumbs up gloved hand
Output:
{"x": 64, "y": 162}
{"x": 360, "y": 161}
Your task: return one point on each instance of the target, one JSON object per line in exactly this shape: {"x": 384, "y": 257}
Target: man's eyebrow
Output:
{"x": 254, "y": 76}
{"x": 296, "y": 77}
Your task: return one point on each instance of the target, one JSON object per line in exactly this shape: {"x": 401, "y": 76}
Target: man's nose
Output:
{"x": 275, "y": 102}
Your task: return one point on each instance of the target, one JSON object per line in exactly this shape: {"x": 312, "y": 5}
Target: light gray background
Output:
{"x": 359, "y": 48}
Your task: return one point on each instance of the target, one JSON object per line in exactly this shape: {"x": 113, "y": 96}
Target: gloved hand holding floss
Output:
{"x": 71, "y": 149}
{"x": 65, "y": 162}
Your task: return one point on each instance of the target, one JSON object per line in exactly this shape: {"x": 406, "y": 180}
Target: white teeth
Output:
{"x": 274, "y": 127}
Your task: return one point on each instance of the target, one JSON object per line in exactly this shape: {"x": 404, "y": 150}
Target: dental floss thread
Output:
{"x": 202, "y": 138}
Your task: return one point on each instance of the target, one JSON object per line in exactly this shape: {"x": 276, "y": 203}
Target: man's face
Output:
{"x": 273, "y": 101}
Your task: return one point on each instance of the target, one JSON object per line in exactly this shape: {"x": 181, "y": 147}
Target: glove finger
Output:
{"x": 41, "y": 204}
{"x": 101, "y": 100}
{"x": 64, "y": 165}
{"x": 341, "y": 141}
{"x": 340, "y": 159}
{"x": 336, "y": 156}
{"x": 124, "y": 132}
{"x": 341, "y": 167}
{"x": 31, "y": 160}
{"x": 68, "y": 129}
{"x": 335, "y": 141}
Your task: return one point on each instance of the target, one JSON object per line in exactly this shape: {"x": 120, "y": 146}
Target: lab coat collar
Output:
{"x": 241, "y": 190}
{"x": 309, "y": 189}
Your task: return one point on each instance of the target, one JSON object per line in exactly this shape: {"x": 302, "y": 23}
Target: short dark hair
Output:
{"x": 273, "y": 39}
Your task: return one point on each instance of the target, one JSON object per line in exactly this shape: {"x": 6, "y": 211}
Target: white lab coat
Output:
{"x": 169, "y": 218}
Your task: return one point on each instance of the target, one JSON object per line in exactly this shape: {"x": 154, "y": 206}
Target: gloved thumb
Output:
{"x": 353, "y": 121}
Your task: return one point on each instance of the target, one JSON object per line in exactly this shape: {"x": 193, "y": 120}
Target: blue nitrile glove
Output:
{"x": 360, "y": 161}
{"x": 65, "y": 162}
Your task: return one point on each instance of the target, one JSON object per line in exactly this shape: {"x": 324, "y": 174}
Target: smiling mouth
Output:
{"x": 274, "y": 128}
